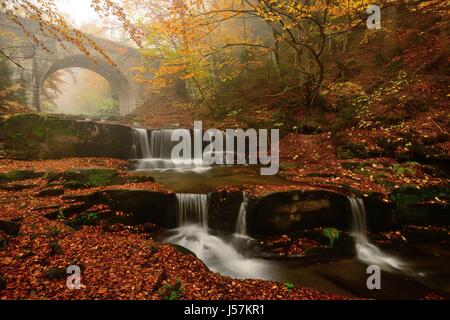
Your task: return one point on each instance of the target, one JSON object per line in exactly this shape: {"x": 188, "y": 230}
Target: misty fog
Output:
{"x": 78, "y": 91}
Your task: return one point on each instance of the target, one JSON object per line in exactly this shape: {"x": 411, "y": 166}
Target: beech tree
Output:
{"x": 199, "y": 40}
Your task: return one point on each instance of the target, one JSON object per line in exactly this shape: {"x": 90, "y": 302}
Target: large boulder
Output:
{"x": 423, "y": 206}
{"x": 285, "y": 212}
{"x": 38, "y": 136}
{"x": 141, "y": 206}
{"x": 224, "y": 209}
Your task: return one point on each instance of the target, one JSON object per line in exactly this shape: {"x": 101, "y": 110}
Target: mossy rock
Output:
{"x": 91, "y": 178}
{"x": 429, "y": 153}
{"x": 38, "y": 136}
{"x": 19, "y": 175}
{"x": 284, "y": 166}
{"x": 84, "y": 178}
{"x": 412, "y": 205}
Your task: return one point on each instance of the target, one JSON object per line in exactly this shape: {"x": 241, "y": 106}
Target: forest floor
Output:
{"x": 124, "y": 262}
{"x": 118, "y": 262}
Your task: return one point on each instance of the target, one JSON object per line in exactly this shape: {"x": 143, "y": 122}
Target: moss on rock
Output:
{"x": 91, "y": 178}
{"x": 84, "y": 178}
{"x": 421, "y": 206}
{"x": 19, "y": 175}
{"x": 37, "y": 136}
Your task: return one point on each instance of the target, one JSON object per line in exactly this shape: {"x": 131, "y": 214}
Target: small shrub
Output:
{"x": 289, "y": 286}
{"x": 332, "y": 234}
{"x": 172, "y": 292}
{"x": 84, "y": 219}
{"x": 406, "y": 169}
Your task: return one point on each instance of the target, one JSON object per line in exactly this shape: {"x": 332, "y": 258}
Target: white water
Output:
{"x": 367, "y": 252}
{"x": 156, "y": 152}
{"x": 143, "y": 142}
{"x": 192, "y": 209}
{"x": 161, "y": 144}
{"x": 219, "y": 255}
{"x": 241, "y": 223}
{"x": 224, "y": 254}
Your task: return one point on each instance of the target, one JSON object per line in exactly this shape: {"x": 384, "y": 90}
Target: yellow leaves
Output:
{"x": 187, "y": 77}
{"x": 7, "y": 260}
{"x": 169, "y": 70}
{"x": 140, "y": 69}
{"x": 53, "y": 24}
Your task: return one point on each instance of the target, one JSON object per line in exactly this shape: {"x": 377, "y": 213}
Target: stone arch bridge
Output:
{"x": 38, "y": 64}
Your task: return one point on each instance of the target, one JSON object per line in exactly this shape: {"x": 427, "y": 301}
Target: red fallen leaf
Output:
{"x": 102, "y": 290}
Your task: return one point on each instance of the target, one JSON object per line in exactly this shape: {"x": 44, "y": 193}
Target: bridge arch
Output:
{"x": 118, "y": 81}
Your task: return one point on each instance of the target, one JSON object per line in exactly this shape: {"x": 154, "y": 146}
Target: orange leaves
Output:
{"x": 53, "y": 24}
{"x": 118, "y": 262}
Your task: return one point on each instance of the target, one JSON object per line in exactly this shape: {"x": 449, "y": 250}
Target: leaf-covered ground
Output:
{"x": 118, "y": 262}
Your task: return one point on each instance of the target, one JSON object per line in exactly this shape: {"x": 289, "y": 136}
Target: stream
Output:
{"x": 405, "y": 274}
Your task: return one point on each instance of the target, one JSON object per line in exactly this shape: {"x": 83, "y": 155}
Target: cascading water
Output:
{"x": 161, "y": 144}
{"x": 224, "y": 254}
{"x": 156, "y": 151}
{"x": 367, "y": 252}
{"x": 142, "y": 139}
{"x": 219, "y": 255}
{"x": 192, "y": 209}
{"x": 241, "y": 224}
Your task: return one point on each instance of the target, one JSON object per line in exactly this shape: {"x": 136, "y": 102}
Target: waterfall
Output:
{"x": 156, "y": 151}
{"x": 161, "y": 144}
{"x": 241, "y": 223}
{"x": 367, "y": 252}
{"x": 217, "y": 253}
{"x": 142, "y": 138}
{"x": 192, "y": 209}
